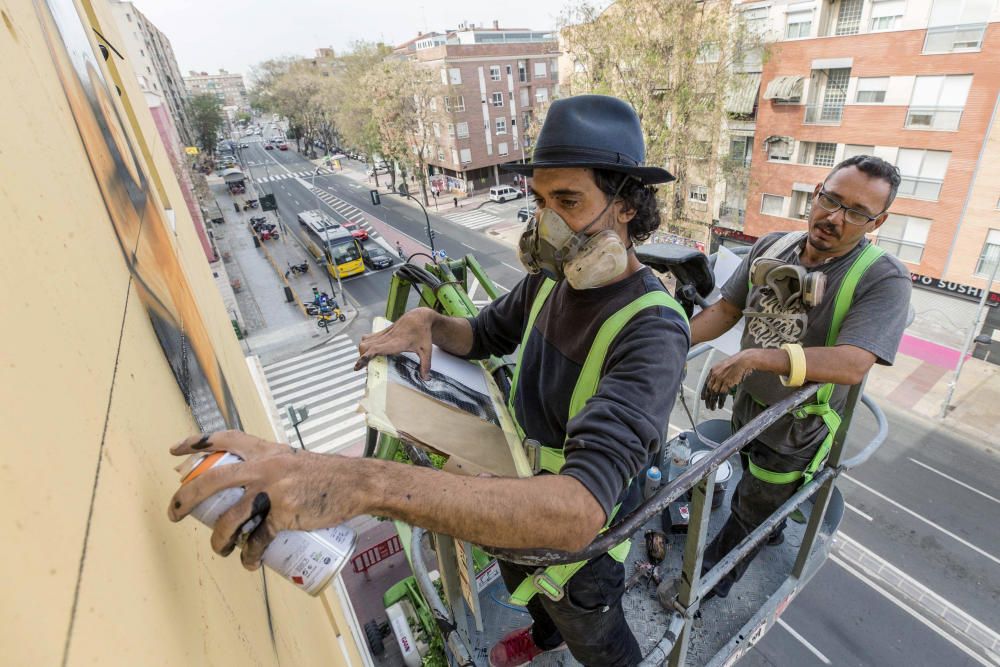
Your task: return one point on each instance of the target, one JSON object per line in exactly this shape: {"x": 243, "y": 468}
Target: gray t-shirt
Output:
{"x": 875, "y": 322}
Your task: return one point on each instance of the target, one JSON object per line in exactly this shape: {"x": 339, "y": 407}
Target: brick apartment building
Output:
{"x": 913, "y": 81}
{"x": 228, "y": 87}
{"x": 497, "y": 80}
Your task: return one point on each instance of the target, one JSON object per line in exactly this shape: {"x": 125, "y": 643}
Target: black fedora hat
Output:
{"x": 592, "y": 131}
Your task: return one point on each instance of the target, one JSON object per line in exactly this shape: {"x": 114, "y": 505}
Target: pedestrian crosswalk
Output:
{"x": 473, "y": 219}
{"x": 325, "y": 382}
{"x": 347, "y": 211}
{"x": 293, "y": 174}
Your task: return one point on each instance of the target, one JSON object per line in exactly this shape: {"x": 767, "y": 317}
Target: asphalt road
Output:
{"x": 925, "y": 507}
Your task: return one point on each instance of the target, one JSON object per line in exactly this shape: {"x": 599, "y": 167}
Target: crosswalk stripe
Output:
{"x": 328, "y": 407}
{"x": 338, "y": 339}
{"x": 335, "y": 365}
{"x": 322, "y": 435}
{"x": 315, "y": 364}
{"x": 348, "y": 439}
{"x": 318, "y": 379}
{"x": 309, "y": 393}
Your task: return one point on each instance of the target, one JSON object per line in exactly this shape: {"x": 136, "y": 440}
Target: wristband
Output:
{"x": 797, "y": 360}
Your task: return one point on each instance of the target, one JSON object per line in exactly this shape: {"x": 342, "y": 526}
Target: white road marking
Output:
{"x": 802, "y": 640}
{"x": 857, "y": 511}
{"x": 960, "y": 483}
{"x": 296, "y": 201}
{"x": 930, "y": 523}
{"x": 912, "y": 612}
{"x": 467, "y": 246}
{"x": 513, "y": 268}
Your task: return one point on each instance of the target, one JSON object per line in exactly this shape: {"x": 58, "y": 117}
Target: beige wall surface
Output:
{"x": 93, "y": 573}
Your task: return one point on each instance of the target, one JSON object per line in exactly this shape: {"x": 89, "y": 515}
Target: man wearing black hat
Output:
{"x": 601, "y": 347}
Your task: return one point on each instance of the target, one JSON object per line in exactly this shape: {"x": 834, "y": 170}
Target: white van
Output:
{"x": 502, "y": 193}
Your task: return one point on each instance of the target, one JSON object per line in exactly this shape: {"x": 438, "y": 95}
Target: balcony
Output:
{"x": 920, "y": 188}
{"x": 823, "y": 114}
{"x": 955, "y": 38}
{"x": 933, "y": 118}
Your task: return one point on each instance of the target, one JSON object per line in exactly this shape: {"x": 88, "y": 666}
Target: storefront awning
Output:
{"x": 784, "y": 88}
{"x": 743, "y": 95}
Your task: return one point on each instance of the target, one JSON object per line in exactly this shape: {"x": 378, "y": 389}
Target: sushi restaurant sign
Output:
{"x": 958, "y": 289}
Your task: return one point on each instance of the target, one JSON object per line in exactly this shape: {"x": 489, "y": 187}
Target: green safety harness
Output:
{"x": 821, "y": 407}
{"x": 551, "y": 581}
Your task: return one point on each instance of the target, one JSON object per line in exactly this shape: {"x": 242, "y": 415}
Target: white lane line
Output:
{"x": 930, "y": 523}
{"x": 510, "y": 267}
{"x": 802, "y": 640}
{"x": 499, "y": 286}
{"x": 960, "y": 483}
{"x": 296, "y": 201}
{"x": 912, "y": 612}
{"x": 467, "y": 246}
{"x": 859, "y": 512}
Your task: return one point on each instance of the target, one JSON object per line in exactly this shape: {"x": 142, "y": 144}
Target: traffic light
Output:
{"x": 376, "y": 197}
{"x": 267, "y": 203}
{"x": 430, "y": 234}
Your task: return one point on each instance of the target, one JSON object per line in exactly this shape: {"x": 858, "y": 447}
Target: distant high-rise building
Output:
{"x": 152, "y": 58}
{"x": 496, "y": 79}
{"x": 228, "y": 87}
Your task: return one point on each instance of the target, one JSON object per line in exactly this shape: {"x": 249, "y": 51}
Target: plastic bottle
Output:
{"x": 653, "y": 479}
{"x": 680, "y": 456}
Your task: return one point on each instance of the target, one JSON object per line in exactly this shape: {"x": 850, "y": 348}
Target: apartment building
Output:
{"x": 496, "y": 80}
{"x": 228, "y": 87}
{"x": 915, "y": 82}
{"x": 155, "y": 65}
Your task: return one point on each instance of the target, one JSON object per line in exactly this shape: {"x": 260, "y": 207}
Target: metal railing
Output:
{"x": 948, "y": 38}
{"x": 823, "y": 114}
{"x": 934, "y": 118}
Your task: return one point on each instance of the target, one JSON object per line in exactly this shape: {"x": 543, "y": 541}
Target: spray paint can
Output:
{"x": 307, "y": 559}
{"x": 653, "y": 479}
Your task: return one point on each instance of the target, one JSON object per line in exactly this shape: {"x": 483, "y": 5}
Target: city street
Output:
{"x": 914, "y": 578}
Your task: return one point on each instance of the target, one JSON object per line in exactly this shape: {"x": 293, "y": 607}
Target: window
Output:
{"x": 937, "y": 102}
{"x": 799, "y": 24}
{"x": 498, "y": 99}
{"x": 525, "y": 97}
{"x": 756, "y": 20}
{"x": 432, "y": 104}
{"x": 454, "y": 103}
{"x": 539, "y": 70}
{"x": 501, "y": 125}
{"x": 440, "y": 155}
{"x": 922, "y": 172}
{"x": 772, "y": 204}
{"x": 522, "y": 71}
{"x": 872, "y": 90}
{"x": 494, "y": 72}
{"x": 542, "y": 95}
{"x": 454, "y": 76}
{"x": 823, "y": 154}
{"x": 444, "y": 76}
{"x": 885, "y": 14}
{"x": 462, "y": 130}
{"x": 957, "y": 25}
{"x": 990, "y": 256}
{"x": 698, "y": 193}
{"x": 509, "y": 70}
{"x": 850, "y": 150}
{"x": 502, "y": 148}
{"x": 849, "y": 17}
{"x": 465, "y": 155}
{"x": 437, "y": 130}
{"x": 740, "y": 150}
{"x": 801, "y": 204}
{"x": 451, "y": 129}
{"x": 454, "y": 156}
{"x": 904, "y": 236}
{"x": 780, "y": 148}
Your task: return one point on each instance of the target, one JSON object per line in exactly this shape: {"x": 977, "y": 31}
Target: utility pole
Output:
{"x": 970, "y": 337}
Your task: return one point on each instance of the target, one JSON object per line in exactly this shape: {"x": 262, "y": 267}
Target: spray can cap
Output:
{"x": 682, "y": 436}
{"x": 653, "y": 473}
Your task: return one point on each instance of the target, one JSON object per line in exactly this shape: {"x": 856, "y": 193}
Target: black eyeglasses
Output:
{"x": 851, "y": 215}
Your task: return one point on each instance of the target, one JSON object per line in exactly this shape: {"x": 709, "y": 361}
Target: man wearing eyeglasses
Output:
{"x": 787, "y": 288}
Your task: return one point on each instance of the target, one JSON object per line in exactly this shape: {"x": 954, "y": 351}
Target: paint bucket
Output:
{"x": 722, "y": 476}
{"x": 307, "y": 559}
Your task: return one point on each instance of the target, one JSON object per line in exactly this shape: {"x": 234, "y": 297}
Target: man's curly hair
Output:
{"x": 636, "y": 197}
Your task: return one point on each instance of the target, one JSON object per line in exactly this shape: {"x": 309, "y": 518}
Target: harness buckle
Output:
{"x": 547, "y": 586}
{"x": 533, "y": 452}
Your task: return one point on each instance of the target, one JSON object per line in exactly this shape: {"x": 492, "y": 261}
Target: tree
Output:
{"x": 674, "y": 62}
{"x": 205, "y": 114}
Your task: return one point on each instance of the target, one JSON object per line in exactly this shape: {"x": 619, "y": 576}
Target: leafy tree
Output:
{"x": 674, "y": 62}
{"x": 205, "y": 114}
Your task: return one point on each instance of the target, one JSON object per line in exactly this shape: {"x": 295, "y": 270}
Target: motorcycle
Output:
{"x": 250, "y": 203}
{"x": 257, "y": 219}
{"x": 297, "y": 269}
{"x": 327, "y": 316}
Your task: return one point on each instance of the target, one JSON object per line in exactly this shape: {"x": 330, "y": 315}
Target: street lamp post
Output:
{"x": 328, "y": 253}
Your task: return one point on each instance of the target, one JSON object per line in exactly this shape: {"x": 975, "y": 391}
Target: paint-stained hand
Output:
{"x": 724, "y": 377}
{"x": 410, "y": 333}
{"x": 286, "y": 489}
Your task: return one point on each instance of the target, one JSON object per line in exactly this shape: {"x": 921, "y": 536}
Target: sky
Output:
{"x": 208, "y": 35}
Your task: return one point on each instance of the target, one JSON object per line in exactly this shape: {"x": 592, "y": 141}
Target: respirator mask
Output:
{"x": 548, "y": 245}
{"x": 788, "y": 291}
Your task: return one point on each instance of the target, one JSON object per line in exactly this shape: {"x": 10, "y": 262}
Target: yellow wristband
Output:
{"x": 797, "y": 360}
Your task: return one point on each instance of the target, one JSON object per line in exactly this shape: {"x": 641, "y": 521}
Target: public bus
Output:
{"x": 344, "y": 252}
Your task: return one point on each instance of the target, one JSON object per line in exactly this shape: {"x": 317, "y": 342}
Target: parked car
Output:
{"x": 244, "y": 145}
{"x": 356, "y": 230}
{"x": 381, "y": 169}
{"x": 376, "y": 257}
{"x": 269, "y": 146}
{"x": 525, "y": 212}
{"x": 282, "y": 146}
{"x": 502, "y": 193}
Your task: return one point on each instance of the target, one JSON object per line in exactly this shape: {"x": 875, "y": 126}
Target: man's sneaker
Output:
{"x": 518, "y": 648}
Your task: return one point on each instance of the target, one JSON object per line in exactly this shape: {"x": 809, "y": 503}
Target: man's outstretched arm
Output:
{"x": 291, "y": 489}
{"x": 714, "y": 321}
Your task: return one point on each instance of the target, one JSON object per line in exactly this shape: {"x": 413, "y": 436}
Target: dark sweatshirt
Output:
{"x": 609, "y": 440}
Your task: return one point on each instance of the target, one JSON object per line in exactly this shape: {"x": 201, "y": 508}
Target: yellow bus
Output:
{"x": 343, "y": 255}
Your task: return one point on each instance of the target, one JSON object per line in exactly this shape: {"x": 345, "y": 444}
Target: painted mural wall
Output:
{"x": 114, "y": 345}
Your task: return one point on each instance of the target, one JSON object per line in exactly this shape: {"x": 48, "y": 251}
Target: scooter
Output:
{"x": 250, "y": 203}
{"x": 254, "y": 220}
{"x": 327, "y": 316}
{"x": 297, "y": 269}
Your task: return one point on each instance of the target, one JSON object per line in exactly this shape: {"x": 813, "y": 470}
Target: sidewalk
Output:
{"x": 275, "y": 328}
